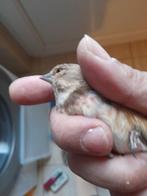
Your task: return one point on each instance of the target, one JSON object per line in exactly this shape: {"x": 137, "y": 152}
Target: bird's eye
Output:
{"x": 58, "y": 70}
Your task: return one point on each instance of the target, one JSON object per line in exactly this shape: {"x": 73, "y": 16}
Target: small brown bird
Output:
{"x": 74, "y": 96}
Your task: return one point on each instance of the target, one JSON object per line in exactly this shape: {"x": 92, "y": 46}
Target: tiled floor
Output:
{"x": 75, "y": 186}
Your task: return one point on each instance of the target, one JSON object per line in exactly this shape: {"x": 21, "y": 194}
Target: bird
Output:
{"x": 74, "y": 96}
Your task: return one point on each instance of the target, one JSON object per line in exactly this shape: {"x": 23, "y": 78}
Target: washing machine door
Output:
{"x": 9, "y": 135}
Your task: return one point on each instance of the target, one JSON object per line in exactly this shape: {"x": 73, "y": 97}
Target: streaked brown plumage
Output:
{"x": 75, "y": 97}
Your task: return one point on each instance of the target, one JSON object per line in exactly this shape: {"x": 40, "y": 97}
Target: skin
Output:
{"x": 88, "y": 148}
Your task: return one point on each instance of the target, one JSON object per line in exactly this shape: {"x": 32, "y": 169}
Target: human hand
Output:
{"x": 78, "y": 134}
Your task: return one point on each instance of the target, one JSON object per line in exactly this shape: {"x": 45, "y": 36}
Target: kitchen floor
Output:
{"x": 75, "y": 186}
{"x": 134, "y": 54}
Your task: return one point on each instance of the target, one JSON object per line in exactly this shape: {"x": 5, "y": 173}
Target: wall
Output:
{"x": 123, "y": 21}
{"x": 13, "y": 57}
{"x": 50, "y": 27}
{"x": 132, "y": 53}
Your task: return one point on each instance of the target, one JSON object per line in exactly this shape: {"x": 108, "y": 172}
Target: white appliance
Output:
{"x": 24, "y": 139}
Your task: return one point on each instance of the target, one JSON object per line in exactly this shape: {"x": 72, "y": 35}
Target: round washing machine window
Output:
{"x": 6, "y": 135}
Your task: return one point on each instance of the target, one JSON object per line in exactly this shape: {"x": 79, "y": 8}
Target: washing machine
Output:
{"x": 9, "y": 134}
{"x": 19, "y": 136}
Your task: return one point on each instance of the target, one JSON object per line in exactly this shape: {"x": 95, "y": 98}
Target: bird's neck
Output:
{"x": 63, "y": 96}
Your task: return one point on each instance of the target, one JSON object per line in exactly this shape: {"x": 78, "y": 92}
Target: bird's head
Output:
{"x": 65, "y": 80}
{"x": 64, "y": 76}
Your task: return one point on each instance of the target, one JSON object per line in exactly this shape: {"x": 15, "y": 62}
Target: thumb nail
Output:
{"x": 96, "y": 140}
{"x": 95, "y": 48}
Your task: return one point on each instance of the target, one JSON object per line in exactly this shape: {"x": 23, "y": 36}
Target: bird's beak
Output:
{"x": 47, "y": 77}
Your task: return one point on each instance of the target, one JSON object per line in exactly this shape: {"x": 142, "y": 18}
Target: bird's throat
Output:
{"x": 62, "y": 97}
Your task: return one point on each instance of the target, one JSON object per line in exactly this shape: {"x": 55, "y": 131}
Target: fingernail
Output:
{"x": 95, "y": 48}
{"x": 90, "y": 43}
{"x": 95, "y": 140}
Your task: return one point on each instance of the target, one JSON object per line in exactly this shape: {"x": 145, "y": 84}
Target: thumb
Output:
{"x": 113, "y": 79}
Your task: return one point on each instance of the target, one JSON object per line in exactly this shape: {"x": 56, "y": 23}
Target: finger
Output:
{"x": 90, "y": 136}
{"x": 136, "y": 193}
{"x": 121, "y": 173}
{"x": 30, "y": 90}
{"x": 126, "y": 85}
